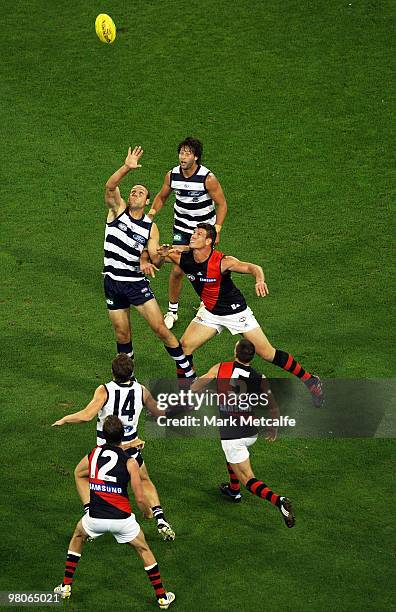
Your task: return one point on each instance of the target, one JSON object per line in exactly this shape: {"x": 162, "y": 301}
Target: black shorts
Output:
{"x": 181, "y": 238}
{"x": 121, "y": 294}
{"x": 134, "y": 453}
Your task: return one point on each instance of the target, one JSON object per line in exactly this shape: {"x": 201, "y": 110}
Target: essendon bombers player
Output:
{"x": 109, "y": 470}
{"x": 238, "y": 435}
{"x": 224, "y": 306}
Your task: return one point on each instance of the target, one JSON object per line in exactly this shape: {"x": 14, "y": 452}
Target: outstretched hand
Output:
{"x": 60, "y": 422}
{"x": 133, "y": 157}
{"x": 261, "y": 289}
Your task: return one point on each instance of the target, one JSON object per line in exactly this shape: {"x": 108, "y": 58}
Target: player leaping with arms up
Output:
{"x": 123, "y": 397}
{"x": 128, "y": 232}
{"x": 224, "y": 306}
{"x": 107, "y": 471}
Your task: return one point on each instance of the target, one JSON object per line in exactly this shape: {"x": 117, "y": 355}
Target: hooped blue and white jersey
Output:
{"x": 193, "y": 203}
{"x": 124, "y": 400}
{"x": 125, "y": 239}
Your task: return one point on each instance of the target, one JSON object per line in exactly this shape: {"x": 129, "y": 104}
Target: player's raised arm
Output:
{"x": 232, "y": 264}
{"x": 115, "y": 203}
{"x": 203, "y": 381}
{"x": 89, "y": 412}
{"x": 216, "y": 193}
{"x": 161, "y": 196}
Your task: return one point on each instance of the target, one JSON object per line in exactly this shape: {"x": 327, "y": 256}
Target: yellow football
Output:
{"x": 105, "y": 28}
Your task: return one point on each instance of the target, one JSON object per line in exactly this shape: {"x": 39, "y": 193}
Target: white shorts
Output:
{"x": 124, "y": 530}
{"x": 236, "y": 451}
{"x": 235, "y": 323}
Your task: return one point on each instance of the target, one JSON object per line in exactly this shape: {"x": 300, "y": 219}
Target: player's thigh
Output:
{"x": 151, "y": 312}
{"x": 195, "y": 336}
{"x": 120, "y": 319}
{"x": 261, "y": 343}
{"x": 139, "y": 542}
{"x": 79, "y": 529}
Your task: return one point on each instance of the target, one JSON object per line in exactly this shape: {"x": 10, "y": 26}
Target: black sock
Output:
{"x": 159, "y": 514}
{"x": 183, "y": 367}
{"x": 72, "y": 560}
{"x": 234, "y": 482}
{"x": 154, "y": 576}
{"x": 126, "y": 348}
{"x": 257, "y": 487}
{"x": 287, "y": 362}
{"x": 173, "y": 307}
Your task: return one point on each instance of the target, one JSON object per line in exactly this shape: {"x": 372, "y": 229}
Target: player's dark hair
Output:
{"x": 245, "y": 351}
{"x": 194, "y": 145}
{"x": 122, "y": 367}
{"x": 210, "y": 232}
{"x": 113, "y": 430}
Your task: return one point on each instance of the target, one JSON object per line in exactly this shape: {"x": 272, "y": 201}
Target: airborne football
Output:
{"x": 105, "y": 28}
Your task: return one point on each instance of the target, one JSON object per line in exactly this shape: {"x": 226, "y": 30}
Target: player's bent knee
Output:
{"x": 186, "y": 347}
{"x": 123, "y": 337}
{"x": 177, "y": 273}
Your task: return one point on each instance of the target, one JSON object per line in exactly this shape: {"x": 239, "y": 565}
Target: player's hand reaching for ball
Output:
{"x": 133, "y": 157}
{"x": 261, "y": 288}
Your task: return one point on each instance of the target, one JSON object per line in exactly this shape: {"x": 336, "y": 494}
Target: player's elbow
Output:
{"x": 86, "y": 417}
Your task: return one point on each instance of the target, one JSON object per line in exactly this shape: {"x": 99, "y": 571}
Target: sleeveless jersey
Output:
{"x": 236, "y": 379}
{"x": 193, "y": 203}
{"x": 108, "y": 483}
{"x": 125, "y": 239}
{"x": 216, "y": 290}
{"x": 124, "y": 400}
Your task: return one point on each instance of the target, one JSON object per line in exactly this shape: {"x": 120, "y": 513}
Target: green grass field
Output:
{"x": 293, "y": 102}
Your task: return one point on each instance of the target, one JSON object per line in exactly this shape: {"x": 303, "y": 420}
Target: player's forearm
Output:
{"x": 77, "y": 417}
{"x": 200, "y": 383}
{"x": 257, "y": 272}
{"x": 157, "y": 204}
{"x": 117, "y": 177}
{"x": 221, "y": 212}
{"x": 82, "y": 486}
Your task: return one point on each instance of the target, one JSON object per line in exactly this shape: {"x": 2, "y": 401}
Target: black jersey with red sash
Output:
{"x": 235, "y": 382}
{"x": 216, "y": 289}
{"x": 108, "y": 483}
